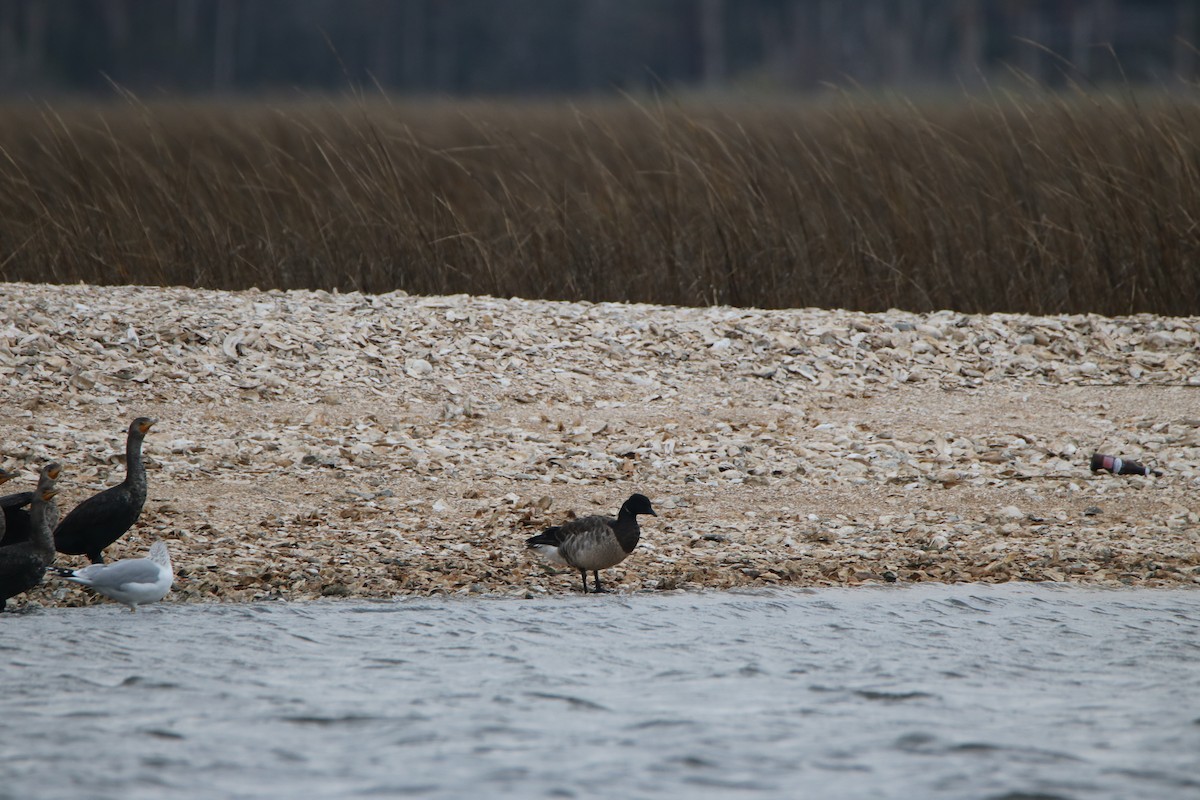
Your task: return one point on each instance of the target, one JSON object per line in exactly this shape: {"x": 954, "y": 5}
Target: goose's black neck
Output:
{"x": 627, "y": 530}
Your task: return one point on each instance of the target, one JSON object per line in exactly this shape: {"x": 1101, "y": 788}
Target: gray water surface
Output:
{"x": 1016, "y": 691}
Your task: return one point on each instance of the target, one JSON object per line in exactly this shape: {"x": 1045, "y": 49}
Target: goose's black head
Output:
{"x": 638, "y": 504}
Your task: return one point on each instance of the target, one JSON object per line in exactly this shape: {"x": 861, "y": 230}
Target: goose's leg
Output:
{"x": 583, "y": 572}
{"x": 598, "y": 588}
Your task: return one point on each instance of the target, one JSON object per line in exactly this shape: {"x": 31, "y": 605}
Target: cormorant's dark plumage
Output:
{"x": 100, "y": 520}
{"x": 5, "y": 477}
{"x": 23, "y": 565}
{"x": 18, "y": 525}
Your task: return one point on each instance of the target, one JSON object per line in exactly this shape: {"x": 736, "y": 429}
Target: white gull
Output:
{"x": 132, "y": 581}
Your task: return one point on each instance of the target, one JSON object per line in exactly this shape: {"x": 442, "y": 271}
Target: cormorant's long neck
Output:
{"x": 39, "y": 518}
{"x": 135, "y": 470}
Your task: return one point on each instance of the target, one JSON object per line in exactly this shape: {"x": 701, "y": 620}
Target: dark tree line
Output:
{"x": 580, "y": 46}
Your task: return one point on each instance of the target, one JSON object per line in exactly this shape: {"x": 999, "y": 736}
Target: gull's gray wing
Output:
{"x": 120, "y": 573}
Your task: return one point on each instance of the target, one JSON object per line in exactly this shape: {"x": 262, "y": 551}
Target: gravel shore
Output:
{"x": 313, "y": 444}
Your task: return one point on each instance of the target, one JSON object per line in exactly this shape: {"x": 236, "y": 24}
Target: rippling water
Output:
{"x": 930, "y": 691}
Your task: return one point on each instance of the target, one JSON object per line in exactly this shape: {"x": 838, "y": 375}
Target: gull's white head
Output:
{"x": 159, "y": 554}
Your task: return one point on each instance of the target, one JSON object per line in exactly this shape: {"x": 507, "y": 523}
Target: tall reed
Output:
{"x": 1019, "y": 202}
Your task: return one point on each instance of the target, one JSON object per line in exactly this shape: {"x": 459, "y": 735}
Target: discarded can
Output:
{"x": 1120, "y": 466}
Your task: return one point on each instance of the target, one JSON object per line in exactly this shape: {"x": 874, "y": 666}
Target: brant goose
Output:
{"x": 595, "y": 542}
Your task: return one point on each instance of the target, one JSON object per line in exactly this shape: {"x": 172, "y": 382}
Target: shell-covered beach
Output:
{"x": 312, "y": 444}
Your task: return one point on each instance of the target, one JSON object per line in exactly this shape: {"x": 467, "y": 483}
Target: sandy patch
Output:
{"x": 313, "y": 444}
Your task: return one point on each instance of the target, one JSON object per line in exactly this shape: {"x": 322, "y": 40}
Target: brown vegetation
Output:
{"x": 1037, "y": 203}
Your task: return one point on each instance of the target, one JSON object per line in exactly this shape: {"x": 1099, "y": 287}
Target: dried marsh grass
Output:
{"x": 1037, "y": 203}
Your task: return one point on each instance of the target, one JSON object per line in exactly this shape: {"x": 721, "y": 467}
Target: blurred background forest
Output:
{"x": 521, "y": 47}
{"x": 980, "y": 155}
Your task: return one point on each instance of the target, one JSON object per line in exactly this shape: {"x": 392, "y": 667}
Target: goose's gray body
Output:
{"x": 590, "y": 544}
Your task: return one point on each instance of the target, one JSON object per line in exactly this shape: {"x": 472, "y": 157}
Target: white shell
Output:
{"x": 312, "y": 443}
